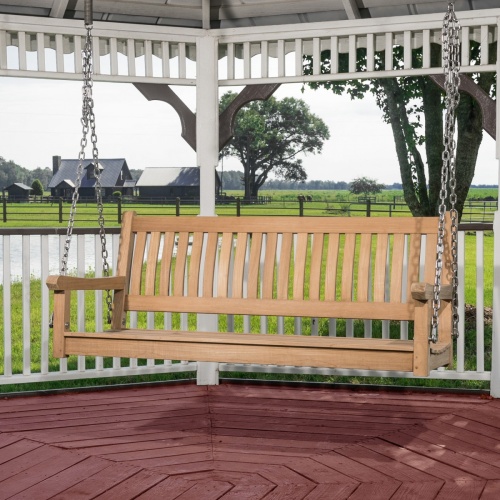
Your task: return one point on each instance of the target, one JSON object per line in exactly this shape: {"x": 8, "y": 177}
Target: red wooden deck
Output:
{"x": 240, "y": 442}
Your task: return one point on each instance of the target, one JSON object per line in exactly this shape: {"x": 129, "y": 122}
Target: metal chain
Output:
{"x": 88, "y": 125}
{"x": 451, "y": 62}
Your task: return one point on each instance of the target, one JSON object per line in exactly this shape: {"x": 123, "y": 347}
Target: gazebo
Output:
{"x": 234, "y": 441}
{"x": 257, "y": 44}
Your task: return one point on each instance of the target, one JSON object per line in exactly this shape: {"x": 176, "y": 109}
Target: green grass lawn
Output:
{"x": 284, "y": 202}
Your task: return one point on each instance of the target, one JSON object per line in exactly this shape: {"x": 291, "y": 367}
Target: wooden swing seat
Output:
{"x": 310, "y": 267}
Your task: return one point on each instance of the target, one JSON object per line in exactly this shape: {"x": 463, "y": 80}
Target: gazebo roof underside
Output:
{"x": 234, "y": 13}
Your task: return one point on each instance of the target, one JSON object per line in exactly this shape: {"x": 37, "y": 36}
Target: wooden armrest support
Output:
{"x": 62, "y": 283}
{"x": 425, "y": 291}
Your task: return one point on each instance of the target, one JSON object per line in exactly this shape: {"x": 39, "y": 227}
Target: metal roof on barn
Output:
{"x": 170, "y": 176}
{"x": 19, "y": 185}
{"x": 234, "y": 13}
{"x": 109, "y": 176}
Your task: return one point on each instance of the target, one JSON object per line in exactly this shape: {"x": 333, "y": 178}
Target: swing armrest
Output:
{"x": 425, "y": 291}
{"x": 66, "y": 283}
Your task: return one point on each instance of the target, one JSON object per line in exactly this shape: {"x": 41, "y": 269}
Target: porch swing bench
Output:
{"x": 313, "y": 267}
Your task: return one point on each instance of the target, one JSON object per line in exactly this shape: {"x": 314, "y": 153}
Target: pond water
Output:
{"x": 16, "y": 252}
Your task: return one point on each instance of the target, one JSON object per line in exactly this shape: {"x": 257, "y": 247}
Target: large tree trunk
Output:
{"x": 469, "y": 137}
{"x": 414, "y": 193}
{"x": 433, "y": 114}
{"x": 247, "y": 180}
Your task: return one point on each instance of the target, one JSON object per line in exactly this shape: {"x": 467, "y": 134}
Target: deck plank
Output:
{"x": 64, "y": 480}
{"x": 466, "y": 490}
{"x": 427, "y": 490}
{"x": 289, "y": 492}
{"x": 168, "y": 489}
{"x": 400, "y": 448}
{"x": 358, "y": 471}
{"x": 458, "y": 445}
{"x": 133, "y": 486}
{"x": 208, "y": 490}
{"x": 375, "y": 491}
{"x": 16, "y": 449}
{"x": 8, "y": 439}
{"x": 491, "y": 491}
{"x": 25, "y": 461}
{"x": 248, "y": 492}
{"x": 99, "y": 483}
{"x": 37, "y": 473}
{"x": 332, "y": 491}
{"x": 397, "y": 470}
{"x": 411, "y": 440}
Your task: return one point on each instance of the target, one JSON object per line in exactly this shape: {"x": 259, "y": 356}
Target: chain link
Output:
{"x": 451, "y": 62}
{"x": 88, "y": 126}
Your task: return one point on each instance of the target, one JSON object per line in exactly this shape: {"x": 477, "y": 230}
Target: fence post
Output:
{"x": 301, "y": 207}
{"x": 368, "y": 207}
{"x": 119, "y": 208}
{"x": 4, "y": 204}
{"x": 60, "y": 210}
{"x": 390, "y": 210}
{"x": 238, "y": 207}
{"x": 177, "y": 207}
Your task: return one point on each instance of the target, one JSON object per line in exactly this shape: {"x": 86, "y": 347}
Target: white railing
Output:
{"x": 27, "y": 257}
{"x": 51, "y": 48}
{"x": 278, "y": 54}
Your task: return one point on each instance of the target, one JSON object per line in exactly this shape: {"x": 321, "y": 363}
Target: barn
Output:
{"x": 18, "y": 192}
{"x": 115, "y": 173}
{"x": 171, "y": 182}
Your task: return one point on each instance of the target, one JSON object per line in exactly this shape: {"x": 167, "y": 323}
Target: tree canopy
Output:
{"x": 413, "y": 106}
{"x": 364, "y": 185}
{"x": 11, "y": 172}
{"x": 37, "y": 187}
{"x": 269, "y": 136}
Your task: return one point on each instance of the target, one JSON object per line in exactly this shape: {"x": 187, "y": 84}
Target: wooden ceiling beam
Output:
{"x": 205, "y": 14}
{"x": 59, "y": 8}
{"x": 351, "y": 8}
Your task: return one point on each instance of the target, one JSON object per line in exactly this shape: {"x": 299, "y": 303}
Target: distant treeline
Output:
{"x": 232, "y": 180}
{"x": 11, "y": 172}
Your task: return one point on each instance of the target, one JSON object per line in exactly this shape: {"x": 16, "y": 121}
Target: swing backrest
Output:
{"x": 328, "y": 267}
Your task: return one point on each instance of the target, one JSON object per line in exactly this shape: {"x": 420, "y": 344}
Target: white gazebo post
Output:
{"x": 495, "y": 354}
{"x": 207, "y": 119}
{"x": 207, "y": 150}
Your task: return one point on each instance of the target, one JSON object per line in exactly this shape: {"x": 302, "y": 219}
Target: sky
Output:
{"x": 41, "y": 118}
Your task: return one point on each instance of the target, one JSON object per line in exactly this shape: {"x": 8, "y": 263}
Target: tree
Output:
{"x": 11, "y": 172}
{"x": 44, "y": 175}
{"x": 414, "y": 108}
{"x": 366, "y": 186}
{"x": 37, "y": 188}
{"x": 231, "y": 179}
{"x": 268, "y": 137}
{"x": 135, "y": 173}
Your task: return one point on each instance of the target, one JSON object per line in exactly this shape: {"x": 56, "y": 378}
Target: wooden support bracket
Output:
{"x": 163, "y": 92}
{"x": 486, "y": 103}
